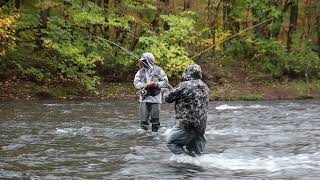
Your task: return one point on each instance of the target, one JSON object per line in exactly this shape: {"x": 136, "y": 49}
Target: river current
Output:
{"x": 102, "y": 140}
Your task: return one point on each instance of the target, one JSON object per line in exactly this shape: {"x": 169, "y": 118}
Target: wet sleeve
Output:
{"x": 164, "y": 79}
{"x": 137, "y": 81}
{"x": 175, "y": 94}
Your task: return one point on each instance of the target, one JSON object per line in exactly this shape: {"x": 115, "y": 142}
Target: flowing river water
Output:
{"x": 102, "y": 140}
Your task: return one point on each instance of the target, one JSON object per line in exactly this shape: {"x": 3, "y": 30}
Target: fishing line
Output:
{"x": 230, "y": 38}
{"x": 136, "y": 57}
{"x": 122, "y": 48}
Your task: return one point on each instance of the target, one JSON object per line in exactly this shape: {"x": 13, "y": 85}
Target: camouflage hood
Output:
{"x": 193, "y": 72}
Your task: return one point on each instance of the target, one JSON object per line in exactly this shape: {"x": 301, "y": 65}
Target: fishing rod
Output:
{"x": 136, "y": 57}
{"x": 122, "y": 48}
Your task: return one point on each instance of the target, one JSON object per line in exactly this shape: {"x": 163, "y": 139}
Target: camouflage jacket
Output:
{"x": 191, "y": 100}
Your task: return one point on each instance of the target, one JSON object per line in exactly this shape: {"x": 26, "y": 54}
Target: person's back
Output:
{"x": 191, "y": 106}
{"x": 191, "y": 98}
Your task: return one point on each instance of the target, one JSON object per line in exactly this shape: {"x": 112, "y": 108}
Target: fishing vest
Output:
{"x": 154, "y": 77}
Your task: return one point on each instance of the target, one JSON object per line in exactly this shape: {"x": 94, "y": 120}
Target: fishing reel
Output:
{"x": 142, "y": 92}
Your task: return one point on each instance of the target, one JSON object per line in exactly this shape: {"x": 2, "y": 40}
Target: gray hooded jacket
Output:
{"x": 191, "y": 98}
{"x": 147, "y": 74}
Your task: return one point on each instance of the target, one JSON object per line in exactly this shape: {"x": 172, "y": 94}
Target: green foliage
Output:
{"x": 302, "y": 60}
{"x": 44, "y": 94}
{"x": 275, "y": 59}
{"x": 64, "y": 42}
{"x": 264, "y": 10}
{"x": 74, "y": 45}
{"x": 34, "y": 73}
{"x": 180, "y": 29}
{"x": 122, "y": 22}
{"x": 270, "y": 57}
{"x": 89, "y": 15}
{"x": 167, "y": 46}
{"x": 251, "y": 98}
{"x": 7, "y": 30}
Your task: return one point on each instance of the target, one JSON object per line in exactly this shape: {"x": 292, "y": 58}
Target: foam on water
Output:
{"x": 226, "y": 107}
{"x": 167, "y": 132}
{"x": 258, "y": 106}
{"x": 272, "y": 164}
{"x": 233, "y": 131}
{"x": 73, "y": 131}
{"x": 55, "y": 104}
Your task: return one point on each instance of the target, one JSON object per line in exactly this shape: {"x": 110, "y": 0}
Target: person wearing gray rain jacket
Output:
{"x": 191, "y": 107}
{"x": 150, "y": 79}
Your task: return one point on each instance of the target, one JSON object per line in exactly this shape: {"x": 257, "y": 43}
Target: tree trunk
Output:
{"x": 226, "y": 14}
{"x": 17, "y": 4}
{"x": 318, "y": 25}
{"x": 212, "y": 20}
{"x": 155, "y": 22}
{"x": 211, "y": 24}
{"x": 44, "y": 14}
{"x": 117, "y": 5}
{"x": 167, "y": 2}
{"x": 279, "y": 20}
{"x": 187, "y": 4}
{"x": 83, "y": 3}
{"x": 293, "y": 22}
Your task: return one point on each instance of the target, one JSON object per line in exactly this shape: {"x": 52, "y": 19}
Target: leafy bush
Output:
{"x": 7, "y": 30}
{"x": 302, "y": 61}
{"x": 73, "y": 44}
{"x": 269, "y": 57}
{"x": 168, "y": 46}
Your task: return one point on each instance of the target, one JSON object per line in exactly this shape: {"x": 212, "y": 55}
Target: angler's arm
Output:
{"x": 175, "y": 94}
{"x": 163, "y": 82}
{"x": 137, "y": 81}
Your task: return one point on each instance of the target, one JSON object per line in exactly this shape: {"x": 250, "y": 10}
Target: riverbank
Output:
{"x": 16, "y": 89}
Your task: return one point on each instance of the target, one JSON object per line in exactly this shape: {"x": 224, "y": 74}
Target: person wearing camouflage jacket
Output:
{"x": 191, "y": 106}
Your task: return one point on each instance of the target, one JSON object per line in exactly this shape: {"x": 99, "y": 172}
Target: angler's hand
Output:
{"x": 151, "y": 85}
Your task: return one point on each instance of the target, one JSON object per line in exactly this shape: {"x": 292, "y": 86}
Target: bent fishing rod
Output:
{"x": 136, "y": 57}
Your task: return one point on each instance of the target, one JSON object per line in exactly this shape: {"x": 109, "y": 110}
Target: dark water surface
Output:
{"x": 101, "y": 140}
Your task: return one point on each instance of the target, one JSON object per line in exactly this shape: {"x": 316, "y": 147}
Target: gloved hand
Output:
{"x": 151, "y": 85}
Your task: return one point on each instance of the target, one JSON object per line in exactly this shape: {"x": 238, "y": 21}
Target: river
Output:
{"x": 102, "y": 140}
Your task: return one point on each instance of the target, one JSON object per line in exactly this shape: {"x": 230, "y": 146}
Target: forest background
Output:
{"x": 248, "y": 49}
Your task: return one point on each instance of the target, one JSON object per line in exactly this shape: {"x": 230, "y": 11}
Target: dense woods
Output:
{"x": 73, "y": 41}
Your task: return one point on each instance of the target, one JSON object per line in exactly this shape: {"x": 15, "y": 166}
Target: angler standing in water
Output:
{"x": 149, "y": 80}
{"x": 191, "y": 106}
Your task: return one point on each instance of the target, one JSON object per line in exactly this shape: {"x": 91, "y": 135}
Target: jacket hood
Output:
{"x": 193, "y": 72}
{"x": 148, "y": 58}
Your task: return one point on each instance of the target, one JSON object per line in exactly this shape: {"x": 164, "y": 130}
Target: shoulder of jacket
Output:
{"x": 157, "y": 67}
{"x": 141, "y": 70}
{"x": 184, "y": 84}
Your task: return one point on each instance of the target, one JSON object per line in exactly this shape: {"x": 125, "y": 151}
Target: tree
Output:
{"x": 187, "y": 4}
{"x": 318, "y": 24}
{"x": 226, "y": 14}
{"x": 293, "y": 22}
{"x": 212, "y": 20}
{"x": 7, "y": 30}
